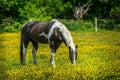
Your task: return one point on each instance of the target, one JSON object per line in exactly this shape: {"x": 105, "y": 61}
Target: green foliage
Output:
{"x": 115, "y": 12}
{"x": 115, "y": 9}
{"x": 109, "y": 24}
{"x": 10, "y": 8}
{"x": 117, "y": 28}
{"x": 87, "y": 26}
{"x": 44, "y": 10}
{"x": 26, "y": 9}
{"x": 71, "y": 24}
{"x": 34, "y": 13}
{"x": 79, "y": 25}
{"x": 14, "y": 27}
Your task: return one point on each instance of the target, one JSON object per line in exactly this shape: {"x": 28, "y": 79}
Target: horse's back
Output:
{"x": 29, "y": 25}
{"x": 39, "y": 32}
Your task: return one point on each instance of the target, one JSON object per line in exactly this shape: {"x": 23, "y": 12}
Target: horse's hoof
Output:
{"x": 54, "y": 65}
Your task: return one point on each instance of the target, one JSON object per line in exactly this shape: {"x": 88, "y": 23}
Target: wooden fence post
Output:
{"x": 95, "y": 24}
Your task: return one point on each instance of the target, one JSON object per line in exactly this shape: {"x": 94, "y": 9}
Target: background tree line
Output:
{"x": 12, "y": 11}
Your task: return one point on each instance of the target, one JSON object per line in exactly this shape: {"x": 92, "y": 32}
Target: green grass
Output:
{"x": 98, "y": 58}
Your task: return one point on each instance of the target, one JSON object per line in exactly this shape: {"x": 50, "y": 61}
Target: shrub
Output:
{"x": 87, "y": 26}
{"x": 78, "y": 25}
{"x": 17, "y": 26}
{"x": 14, "y": 27}
{"x": 71, "y": 24}
{"x": 106, "y": 24}
{"x": 117, "y": 27}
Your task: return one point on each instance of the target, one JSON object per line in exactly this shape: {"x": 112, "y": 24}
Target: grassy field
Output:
{"x": 98, "y": 59}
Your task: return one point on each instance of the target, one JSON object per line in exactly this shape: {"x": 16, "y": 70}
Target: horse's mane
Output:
{"x": 65, "y": 32}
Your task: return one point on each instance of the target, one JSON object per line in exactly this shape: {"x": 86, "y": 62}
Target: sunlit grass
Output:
{"x": 98, "y": 58}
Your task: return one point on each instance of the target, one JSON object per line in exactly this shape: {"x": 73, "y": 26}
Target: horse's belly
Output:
{"x": 42, "y": 40}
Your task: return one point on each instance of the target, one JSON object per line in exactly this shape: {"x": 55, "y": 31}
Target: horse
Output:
{"x": 52, "y": 33}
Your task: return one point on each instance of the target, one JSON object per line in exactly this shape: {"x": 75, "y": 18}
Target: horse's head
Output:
{"x": 73, "y": 54}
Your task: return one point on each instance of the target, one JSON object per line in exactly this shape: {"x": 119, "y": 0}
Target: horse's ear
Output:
{"x": 76, "y": 46}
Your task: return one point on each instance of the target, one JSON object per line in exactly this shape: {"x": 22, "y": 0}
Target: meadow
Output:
{"x": 98, "y": 58}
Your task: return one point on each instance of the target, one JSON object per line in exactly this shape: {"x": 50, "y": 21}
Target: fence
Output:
{"x": 110, "y": 24}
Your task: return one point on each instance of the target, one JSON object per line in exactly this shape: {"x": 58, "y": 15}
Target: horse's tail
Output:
{"x": 21, "y": 52}
{"x": 23, "y": 45}
{"x": 24, "y": 42}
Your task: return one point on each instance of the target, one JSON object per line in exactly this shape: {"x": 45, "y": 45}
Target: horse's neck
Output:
{"x": 66, "y": 34}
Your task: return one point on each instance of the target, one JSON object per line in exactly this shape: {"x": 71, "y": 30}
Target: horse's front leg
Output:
{"x": 52, "y": 59}
{"x": 52, "y": 50}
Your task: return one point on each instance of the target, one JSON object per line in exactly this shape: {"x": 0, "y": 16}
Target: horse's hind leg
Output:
{"x": 35, "y": 47}
{"x": 23, "y": 49}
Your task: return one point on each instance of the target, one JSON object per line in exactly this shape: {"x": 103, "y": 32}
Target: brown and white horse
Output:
{"x": 52, "y": 33}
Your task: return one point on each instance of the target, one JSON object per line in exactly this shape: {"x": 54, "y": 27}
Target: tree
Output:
{"x": 80, "y": 11}
{"x": 115, "y": 9}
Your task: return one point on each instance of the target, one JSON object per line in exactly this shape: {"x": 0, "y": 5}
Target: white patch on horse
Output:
{"x": 24, "y": 49}
{"x": 74, "y": 59}
{"x": 43, "y": 34}
{"x": 24, "y": 54}
{"x": 52, "y": 59}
